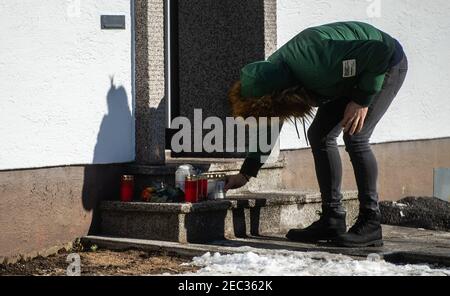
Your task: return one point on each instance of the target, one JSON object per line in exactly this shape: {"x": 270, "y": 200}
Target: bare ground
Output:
{"x": 102, "y": 263}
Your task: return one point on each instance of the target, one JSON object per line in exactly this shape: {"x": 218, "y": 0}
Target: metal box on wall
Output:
{"x": 441, "y": 183}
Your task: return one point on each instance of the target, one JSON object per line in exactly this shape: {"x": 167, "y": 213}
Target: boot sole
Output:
{"x": 312, "y": 241}
{"x": 375, "y": 243}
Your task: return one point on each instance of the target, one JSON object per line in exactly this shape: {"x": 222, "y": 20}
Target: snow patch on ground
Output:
{"x": 289, "y": 263}
{"x": 399, "y": 205}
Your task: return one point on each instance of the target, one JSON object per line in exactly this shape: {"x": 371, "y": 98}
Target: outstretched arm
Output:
{"x": 252, "y": 164}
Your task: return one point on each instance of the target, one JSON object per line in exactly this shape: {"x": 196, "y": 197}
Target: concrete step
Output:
{"x": 239, "y": 215}
{"x": 279, "y": 211}
{"x": 176, "y": 222}
{"x": 269, "y": 177}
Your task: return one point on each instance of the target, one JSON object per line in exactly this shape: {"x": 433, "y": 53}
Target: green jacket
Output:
{"x": 334, "y": 60}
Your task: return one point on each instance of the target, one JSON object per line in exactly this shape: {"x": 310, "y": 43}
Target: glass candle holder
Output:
{"x": 127, "y": 188}
{"x": 191, "y": 189}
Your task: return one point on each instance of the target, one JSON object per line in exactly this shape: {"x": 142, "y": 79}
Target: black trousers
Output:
{"x": 323, "y": 135}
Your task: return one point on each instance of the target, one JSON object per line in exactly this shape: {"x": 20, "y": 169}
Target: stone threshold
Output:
{"x": 232, "y": 201}
{"x": 281, "y": 197}
{"x": 402, "y": 246}
{"x": 210, "y": 165}
{"x": 175, "y": 208}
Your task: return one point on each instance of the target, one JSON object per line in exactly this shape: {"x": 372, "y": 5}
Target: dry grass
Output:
{"x": 102, "y": 263}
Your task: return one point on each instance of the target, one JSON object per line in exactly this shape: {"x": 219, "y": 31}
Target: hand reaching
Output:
{"x": 235, "y": 182}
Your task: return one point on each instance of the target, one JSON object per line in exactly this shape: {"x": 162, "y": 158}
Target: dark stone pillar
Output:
{"x": 216, "y": 39}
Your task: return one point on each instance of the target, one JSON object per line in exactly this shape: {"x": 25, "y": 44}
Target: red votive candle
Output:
{"x": 191, "y": 189}
{"x": 127, "y": 188}
{"x": 204, "y": 187}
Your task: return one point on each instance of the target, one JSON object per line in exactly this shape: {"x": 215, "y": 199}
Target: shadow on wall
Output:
{"x": 115, "y": 137}
{"x": 114, "y": 144}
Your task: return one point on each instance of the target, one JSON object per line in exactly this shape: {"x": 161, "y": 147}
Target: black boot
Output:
{"x": 365, "y": 233}
{"x": 330, "y": 225}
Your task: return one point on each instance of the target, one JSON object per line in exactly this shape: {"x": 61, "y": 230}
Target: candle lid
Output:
{"x": 191, "y": 178}
{"x": 128, "y": 177}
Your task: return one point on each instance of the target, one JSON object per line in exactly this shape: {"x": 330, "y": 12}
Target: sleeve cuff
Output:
{"x": 251, "y": 167}
{"x": 362, "y": 98}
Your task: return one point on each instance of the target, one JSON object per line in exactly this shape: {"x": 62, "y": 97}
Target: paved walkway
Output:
{"x": 402, "y": 245}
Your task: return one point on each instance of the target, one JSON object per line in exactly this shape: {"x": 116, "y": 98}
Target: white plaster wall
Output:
{"x": 422, "y": 108}
{"x": 57, "y": 103}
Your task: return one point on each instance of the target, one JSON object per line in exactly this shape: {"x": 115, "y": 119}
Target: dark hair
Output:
{"x": 291, "y": 102}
